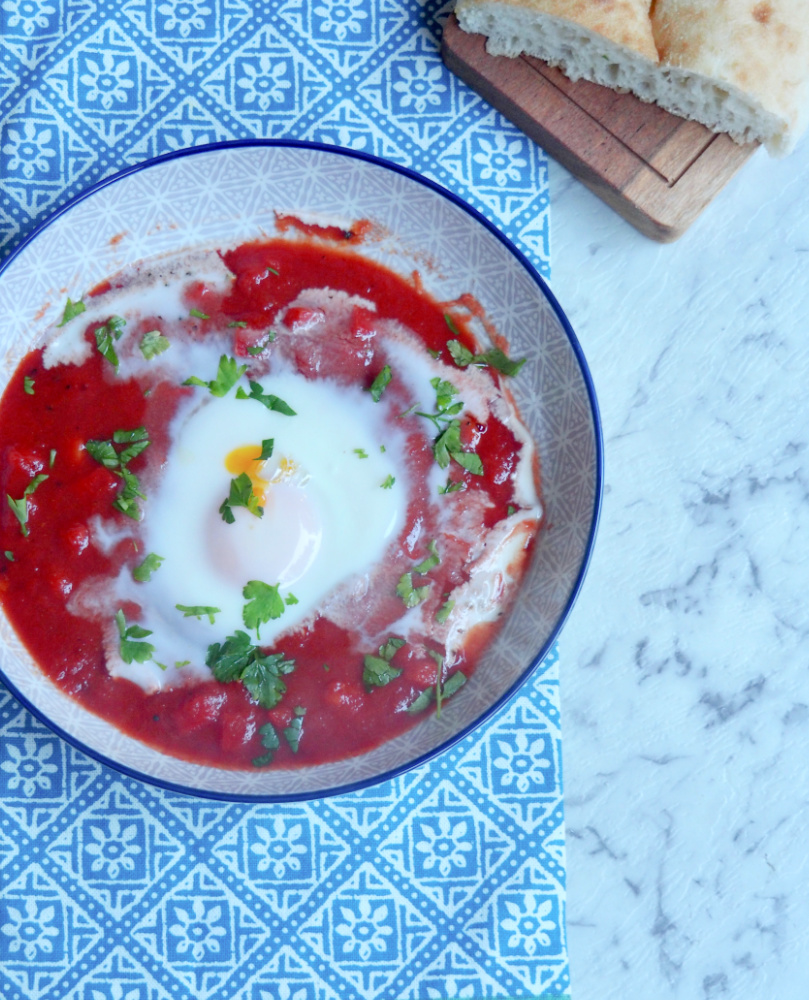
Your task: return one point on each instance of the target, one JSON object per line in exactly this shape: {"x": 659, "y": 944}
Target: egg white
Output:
{"x": 327, "y": 515}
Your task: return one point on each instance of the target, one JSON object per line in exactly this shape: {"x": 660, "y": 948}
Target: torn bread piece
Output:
{"x": 736, "y": 66}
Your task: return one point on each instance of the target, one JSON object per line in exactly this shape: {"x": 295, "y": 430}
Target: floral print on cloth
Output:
{"x": 445, "y": 883}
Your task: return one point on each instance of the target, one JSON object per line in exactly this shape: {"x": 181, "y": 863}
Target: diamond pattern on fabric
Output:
{"x": 446, "y": 882}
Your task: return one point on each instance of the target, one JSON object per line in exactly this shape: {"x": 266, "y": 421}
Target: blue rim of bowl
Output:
{"x": 599, "y": 464}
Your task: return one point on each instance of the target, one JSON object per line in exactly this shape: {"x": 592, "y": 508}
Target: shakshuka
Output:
{"x": 264, "y": 507}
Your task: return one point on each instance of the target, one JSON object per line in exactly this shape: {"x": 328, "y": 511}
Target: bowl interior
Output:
{"x": 224, "y": 195}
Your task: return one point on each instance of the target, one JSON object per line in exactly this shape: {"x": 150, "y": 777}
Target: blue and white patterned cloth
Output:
{"x": 445, "y": 883}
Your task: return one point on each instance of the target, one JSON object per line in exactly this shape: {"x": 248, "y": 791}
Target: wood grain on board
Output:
{"x": 655, "y": 169}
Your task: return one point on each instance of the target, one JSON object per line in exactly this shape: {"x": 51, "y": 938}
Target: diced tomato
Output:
{"x": 303, "y": 318}
{"x": 345, "y": 695}
{"x": 202, "y": 707}
{"x": 76, "y": 538}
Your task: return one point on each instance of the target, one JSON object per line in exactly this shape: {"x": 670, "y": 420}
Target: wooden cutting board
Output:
{"x": 656, "y": 170}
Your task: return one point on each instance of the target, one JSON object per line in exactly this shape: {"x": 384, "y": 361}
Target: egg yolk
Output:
{"x": 247, "y": 459}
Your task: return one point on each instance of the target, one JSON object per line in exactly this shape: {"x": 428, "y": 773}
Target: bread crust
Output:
{"x": 760, "y": 47}
{"x": 736, "y": 66}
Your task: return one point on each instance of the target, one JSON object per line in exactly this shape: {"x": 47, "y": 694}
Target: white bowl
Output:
{"x": 226, "y": 193}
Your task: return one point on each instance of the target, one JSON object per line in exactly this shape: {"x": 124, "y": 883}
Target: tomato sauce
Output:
{"x": 48, "y": 414}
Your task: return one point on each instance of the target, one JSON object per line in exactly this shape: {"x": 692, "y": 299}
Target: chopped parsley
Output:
{"x": 453, "y": 486}
{"x": 241, "y": 495}
{"x": 444, "y": 612}
{"x": 228, "y": 374}
{"x": 291, "y": 599}
{"x": 409, "y": 594}
{"x": 388, "y": 483}
{"x": 451, "y": 324}
{"x": 493, "y": 358}
{"x": 20, "y": 507}
{"x": 452, "y": 684}
{"x": 28, "y": 385}
{"x": 448, "y": 446}
{"x": 9, "y": 555}
{"x": 261, "y": 345}
{"x": 293, "y": 732}
{"x": 270, "y": 742}
{"x": 106, "y": 454}
{"x": 430, "y": 561}
{"x": 143, "y": 571}
{"x": 264, "y": 603}
{"x": 51, "y": 458}
{"x": 133, "y": 649}
{"x": 107, "y": 336}
{"x": 72, "y": 309}
{"x": 267, "y": 399}
{"x": 377, "y": 670}
{"x": 153, "y": 343}
{"x": 448, "y": 443}
{"x": 360, "y": 452}
{"x": 199, "y": 611}
{"x": 380, "y": 383}
{"x": 198, "y": 313}
{"x": 237, "y": 659}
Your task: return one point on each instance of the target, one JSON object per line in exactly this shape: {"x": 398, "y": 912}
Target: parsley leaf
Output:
{"x": 133, "y": 650}
{"x": 198, "y": 313}
{"x": 380, "y": 383}
{"x": 267, "y": 446}
{"x": 227, "y": 660}
{"x": 453, "y": 486}
{"x": 153, "y": 343}
{"x": 448, "y": 443}
{"x": 267, "y": 399}
{"x": 293, "y": 732}
{"x": 228, "y": 374}
{"x": 20, "y": 507}
{"x": 270, "y": 741}
{"x": 430, "y": 562}
{"x": 72, "y": 309}
{"x": 451, "y": 324}
{"x": 199, "y": 611}
{"x": 126, "y": 501}
{"x": 360, "y": 452}
{"x": 262, "y": 678}
{"x": 452, "y": 684}
{"x": 241, "y": 495}
{"x": 388, "y": 483}
{"x": 237, "y": 659}
{"x": 448, "y": 446}
{"x": 107, "y": 335}
{"x": 409, "y": 594}
{"x": 377, "y": 670}
{"x": 264, "y": 603}
{"x": 493, "y": 358}
{"x": 105, "y": 454}
{"x": 261, "y": 345}
{"x": 143, "y": 571}
{"x": 444, "y": 612}
{"x": 28, "y": 385}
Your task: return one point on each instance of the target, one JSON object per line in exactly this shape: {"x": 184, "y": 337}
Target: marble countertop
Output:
{"x": 685, "y": 663}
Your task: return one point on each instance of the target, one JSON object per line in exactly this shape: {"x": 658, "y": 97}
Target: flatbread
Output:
{"x": 736, "y": 66}
{"x": 755, "y": 48}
